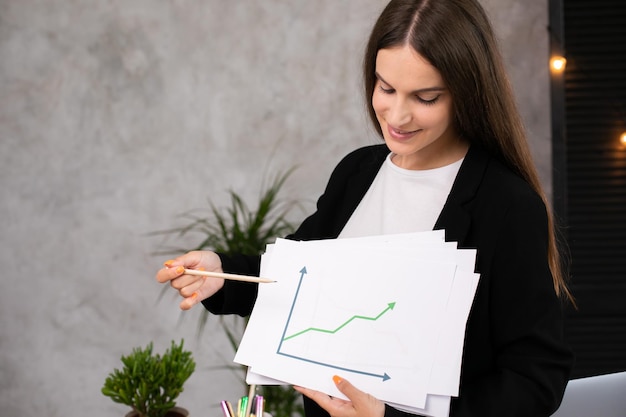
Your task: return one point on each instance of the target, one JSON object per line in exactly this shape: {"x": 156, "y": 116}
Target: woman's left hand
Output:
{"x": 359, "y": 403}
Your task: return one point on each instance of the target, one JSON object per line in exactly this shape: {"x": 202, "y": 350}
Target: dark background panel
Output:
{"x": 590, "y": 161}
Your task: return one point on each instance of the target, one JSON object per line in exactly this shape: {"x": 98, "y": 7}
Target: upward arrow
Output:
{"x": 390, "y": 306}
{"x": 302, "y": 273}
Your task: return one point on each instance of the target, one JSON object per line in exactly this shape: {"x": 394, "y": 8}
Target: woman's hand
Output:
{"x": 360, "y": 404}
{"x": 192, "y": 288}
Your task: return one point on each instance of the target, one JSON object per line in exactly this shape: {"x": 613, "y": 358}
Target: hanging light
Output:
{"x": 622, "y": 139}
{"x": 557, "y": 64}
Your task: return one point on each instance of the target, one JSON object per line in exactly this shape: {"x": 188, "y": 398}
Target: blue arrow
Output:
{"x": 384, "y": 376}
{"x": 302, "y": 272}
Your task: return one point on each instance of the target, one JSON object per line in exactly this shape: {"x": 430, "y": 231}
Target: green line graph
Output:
{"x": 389, "y": 307}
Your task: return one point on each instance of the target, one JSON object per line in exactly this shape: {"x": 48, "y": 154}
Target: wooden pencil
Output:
{"x": 233, "y": 277}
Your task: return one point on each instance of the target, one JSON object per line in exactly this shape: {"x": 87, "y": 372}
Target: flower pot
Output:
{"x": 174, "y": 412}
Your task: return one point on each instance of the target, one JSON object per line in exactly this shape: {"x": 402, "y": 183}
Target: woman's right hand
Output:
{"x": 191, "y": 287}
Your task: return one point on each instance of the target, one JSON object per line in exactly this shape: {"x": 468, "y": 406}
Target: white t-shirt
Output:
{"x": 402, "y": 200}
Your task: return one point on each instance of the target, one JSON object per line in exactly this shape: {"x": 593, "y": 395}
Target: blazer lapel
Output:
{"x": 358, "y": 184}
{"x": 454, "y": 217}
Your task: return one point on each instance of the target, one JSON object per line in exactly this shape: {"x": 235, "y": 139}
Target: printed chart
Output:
{"x": 310, "y": 343}
{"x": 388, "y": 314}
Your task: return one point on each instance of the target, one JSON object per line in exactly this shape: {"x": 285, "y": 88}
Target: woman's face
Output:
{"x": 415, "y": 111}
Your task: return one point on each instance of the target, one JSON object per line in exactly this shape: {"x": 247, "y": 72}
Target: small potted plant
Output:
{"x": 150, "y": 383}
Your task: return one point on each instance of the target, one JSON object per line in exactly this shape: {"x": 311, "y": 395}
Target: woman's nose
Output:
{"x": 399, "y": 113}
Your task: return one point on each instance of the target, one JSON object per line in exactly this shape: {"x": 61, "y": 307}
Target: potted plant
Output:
{"x": 240, "y": 229}
{"x": 149, "y": 383}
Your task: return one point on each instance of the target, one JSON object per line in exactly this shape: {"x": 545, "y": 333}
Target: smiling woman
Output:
{"x": 455, "y": 157}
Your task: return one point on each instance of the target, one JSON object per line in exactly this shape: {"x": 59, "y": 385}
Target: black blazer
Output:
{"x": 515, "y": 361}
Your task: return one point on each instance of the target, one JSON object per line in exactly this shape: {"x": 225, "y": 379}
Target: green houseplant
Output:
{"x": 149, "y": 383}
{"x": 240, "y": 229}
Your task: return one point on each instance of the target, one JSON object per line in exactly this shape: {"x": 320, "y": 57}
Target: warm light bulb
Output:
{"x": 557, "y": 64}
{"x": 622, "y": 139}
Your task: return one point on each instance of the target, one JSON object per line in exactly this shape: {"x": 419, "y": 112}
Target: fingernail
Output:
{"x": 180, "y": 269}
{"x": 337, "y": 379}
{"x": 168, "y": 263}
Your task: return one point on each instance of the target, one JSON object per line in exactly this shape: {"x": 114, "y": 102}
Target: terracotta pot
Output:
{"x": 174, "y": 412}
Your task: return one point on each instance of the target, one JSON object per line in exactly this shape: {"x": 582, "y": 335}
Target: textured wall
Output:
{"x": 116, "y": 116}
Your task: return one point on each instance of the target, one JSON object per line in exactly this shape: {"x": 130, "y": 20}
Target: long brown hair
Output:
{"x": 456, "y": 37}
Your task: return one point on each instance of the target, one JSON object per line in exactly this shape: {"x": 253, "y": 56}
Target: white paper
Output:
{"x": 387, "y": 313}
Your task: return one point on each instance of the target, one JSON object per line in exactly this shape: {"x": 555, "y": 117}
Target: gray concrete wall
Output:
{"x": 117, "y": 116}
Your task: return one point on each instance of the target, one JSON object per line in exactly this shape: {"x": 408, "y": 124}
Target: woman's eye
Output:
{"x": 385, "y": 90}
{"x": 428, "y": 100}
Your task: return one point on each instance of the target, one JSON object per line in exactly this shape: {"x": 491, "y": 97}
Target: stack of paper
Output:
{"x": 387, "y": 313}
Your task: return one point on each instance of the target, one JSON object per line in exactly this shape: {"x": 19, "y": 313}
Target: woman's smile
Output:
{"x": 400, "y": 134}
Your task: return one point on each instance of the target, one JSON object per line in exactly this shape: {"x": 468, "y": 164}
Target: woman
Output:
{"x": 456, "y": 158}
